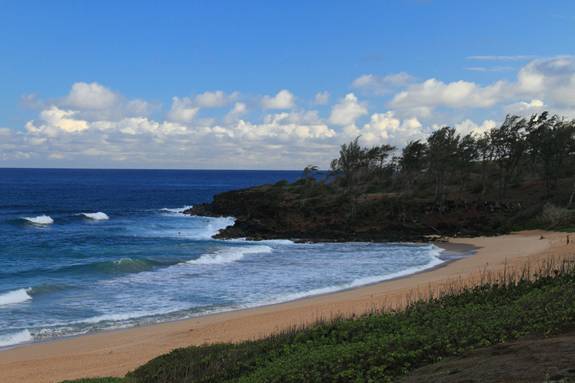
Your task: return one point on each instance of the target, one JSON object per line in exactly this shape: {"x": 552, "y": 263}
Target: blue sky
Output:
{"x": 92, "y": 84}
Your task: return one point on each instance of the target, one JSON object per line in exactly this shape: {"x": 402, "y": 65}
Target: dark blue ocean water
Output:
{"x": 89, "y": 250}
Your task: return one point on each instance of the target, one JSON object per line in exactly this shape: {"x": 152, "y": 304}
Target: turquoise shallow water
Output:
{"x": 90, "y": 250}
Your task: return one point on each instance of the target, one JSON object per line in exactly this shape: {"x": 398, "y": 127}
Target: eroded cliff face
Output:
{"x": 272, "y": 212}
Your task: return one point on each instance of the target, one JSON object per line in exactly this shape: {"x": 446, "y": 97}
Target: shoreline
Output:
{"x": 118, "y": 351}
{"x": 456, "y": 251}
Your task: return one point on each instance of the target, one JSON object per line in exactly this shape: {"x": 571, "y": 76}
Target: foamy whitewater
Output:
{"x": 40, "y": 220}
{"x": 16, "y": 296}
{"x": 150, "y": 263}
{"x": 99, "y": 216}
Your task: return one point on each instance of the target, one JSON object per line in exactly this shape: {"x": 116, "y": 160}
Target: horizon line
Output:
{"x": 163, "y": 169}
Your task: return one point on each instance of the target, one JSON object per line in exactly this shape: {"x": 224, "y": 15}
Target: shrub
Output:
{"x": 553, "y": 216}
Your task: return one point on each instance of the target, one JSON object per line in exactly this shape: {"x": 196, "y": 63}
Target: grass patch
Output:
{"x": 382, "y": 346}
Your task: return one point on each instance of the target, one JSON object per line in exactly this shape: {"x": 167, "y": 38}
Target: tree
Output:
{"x": 509, "y": 147}
{"x": 413, "y": 161}
{"x": 485, "y": 153}
{"x": 310, "y": 171}
{"x": 443, "y": 145}
{"x": 349, "y": 161}
{"x": 541, "y": 146}
{"x": 466, "y": 156}
{"x": 550, "y": 144}
{"x": 378, "y": 155}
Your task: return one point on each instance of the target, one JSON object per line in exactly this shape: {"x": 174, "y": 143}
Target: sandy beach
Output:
{"x": 115, "y": 353}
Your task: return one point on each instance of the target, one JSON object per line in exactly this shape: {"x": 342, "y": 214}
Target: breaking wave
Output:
{"x": 229, "y": 255}
{"x": 15, "y": 338}
{"x": 120, "y": 266}
{"x": 99, "y": 216}
{"x": 16, "y": 296}
{"x": 40, "y": 220}
{"x": 117, "y": 317}
{"x": 176, "y": 210}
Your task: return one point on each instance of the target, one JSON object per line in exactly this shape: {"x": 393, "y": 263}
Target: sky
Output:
{"x": 268, "y": 84}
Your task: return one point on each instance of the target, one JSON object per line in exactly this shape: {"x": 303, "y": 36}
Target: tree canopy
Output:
{"x": 540, "y": 148}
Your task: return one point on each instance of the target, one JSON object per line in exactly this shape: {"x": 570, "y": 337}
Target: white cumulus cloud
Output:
{"x": 236, "y": 112}
{"x": 91, "y": 96}
{"x": 549, "y": 79}
{"x": 182, "y": 110}
{"x": 54, "y": 121}
{"x": 522, "y": 107}
{"x": 347, "y": 110}
{"x": 469, "y": 127}
{"x": 284, "y": 99}
{"x": 214, "y": 99}
{"x": 380, "y": 85}
{"x": 386, "y": 128}
{"x": 93, "y": 124}
{"x": 458, "y": 94}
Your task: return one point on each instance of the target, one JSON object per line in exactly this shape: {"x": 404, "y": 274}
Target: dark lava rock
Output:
{"x": 299, "y": 213}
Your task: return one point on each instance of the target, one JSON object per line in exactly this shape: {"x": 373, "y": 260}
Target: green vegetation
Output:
{"x": 537, "y": 149}
{"x": 382, "y": 346}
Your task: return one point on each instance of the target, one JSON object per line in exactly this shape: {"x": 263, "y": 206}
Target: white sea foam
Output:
{"x": 15, "y": 338}
{"x": 98, "y": 216}
{"x": 280, "y": 242}
{"x": 434, "y": 252}
{"x": 229, "y": 255}
{"x": 40, "y": 220}
{"x": 116, "y": 317}
{"x": 13, "y": 297}
{"x": 176, "y": 210}
{"x": 125, "y": 316}
{"x": 214, "y": 226}
{"x": 277, "y": 241}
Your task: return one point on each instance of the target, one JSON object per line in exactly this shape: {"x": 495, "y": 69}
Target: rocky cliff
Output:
{"x": 314, "y": 213}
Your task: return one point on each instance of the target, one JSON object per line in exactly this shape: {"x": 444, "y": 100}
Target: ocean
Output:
{"x": 92, "y": 250}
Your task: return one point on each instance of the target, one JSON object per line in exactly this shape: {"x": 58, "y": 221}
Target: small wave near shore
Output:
{"x": 13, "y": 339}
{"x": 229, "y": 255}
{"x": 217, "y": 263}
